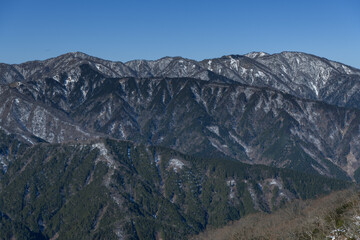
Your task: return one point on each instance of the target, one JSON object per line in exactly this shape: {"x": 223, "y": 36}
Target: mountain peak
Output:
{"x": 256, "y": 54}
{"x": 80, "y": 55}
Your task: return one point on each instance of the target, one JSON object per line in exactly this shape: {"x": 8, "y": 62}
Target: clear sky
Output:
{"x": 197, "y": 29}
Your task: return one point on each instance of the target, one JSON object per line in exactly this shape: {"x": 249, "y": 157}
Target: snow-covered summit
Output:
{"x": 256, "y": 54}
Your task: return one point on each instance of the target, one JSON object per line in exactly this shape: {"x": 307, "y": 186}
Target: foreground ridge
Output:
{"x": 112, "y": 189}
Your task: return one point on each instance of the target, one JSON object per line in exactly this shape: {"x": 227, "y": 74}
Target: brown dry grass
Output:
{"x": 311, "y": 219}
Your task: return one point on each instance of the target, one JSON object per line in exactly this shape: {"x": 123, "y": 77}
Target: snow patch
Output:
{"x": 261, "y": 54}
{"x": 122, "y": 131}
{"x": 241, "y": 143}
{"x": 231, "y": 183}
{"x": 259, "y": 104}
{"x": 347, "y": 70}
{"x": 248, "y": 93}
{"x": 56, "y": 77}
{"x": 336, "y": 234}
{"x": 176, "y": 164}
{"x": 357, "y": 220}
{"x": 284, "y": 69}
{"x": 256, "y": 54}
{"x": 104, "y": 155}
{"x": 101, "y": 68}
{"x": 222, "y": 148}
{"x": 209, "y": 65}
{"x": 315, "y": 88}
{"x": 214, "y": 129}
{"x": 27, "y": 139}
{"x": 3, "y": 164}
{"x": 157, "y": 159}
{"x": 112, "y": 127}
{"x": 163, "y": 97}
{"x": 234, "y": 64}
{"x": 83, "y": 91}
{"x": 276, "y": 183}
{"x": 196, "y": 94}
{"x": 243, "y": 70}
{"x": 317, "y": 169}
{"x": 198, "y": 97}
{"x": 69, "y": 81}
{"x": 260, "y": 74}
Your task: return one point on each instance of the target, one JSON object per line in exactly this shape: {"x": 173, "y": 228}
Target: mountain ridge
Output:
{"x": 300, "y": 74}
{"x": 252, "y": 53}
{"x": 77, "y": 97}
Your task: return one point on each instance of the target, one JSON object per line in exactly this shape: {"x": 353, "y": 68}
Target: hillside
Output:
{"x": 110, "y": 189}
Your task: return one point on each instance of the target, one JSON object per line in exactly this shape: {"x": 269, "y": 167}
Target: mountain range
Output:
{"x": 201, "y": 131}
{"x": 290, "y": 109}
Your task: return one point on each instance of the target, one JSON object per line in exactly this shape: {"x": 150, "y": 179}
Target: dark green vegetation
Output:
{"x": 108, "y": 189}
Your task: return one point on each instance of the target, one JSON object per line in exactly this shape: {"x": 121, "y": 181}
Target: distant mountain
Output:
{"x": 300, "y": 74}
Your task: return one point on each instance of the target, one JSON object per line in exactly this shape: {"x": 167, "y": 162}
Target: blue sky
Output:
{"x": 198, "y": 29}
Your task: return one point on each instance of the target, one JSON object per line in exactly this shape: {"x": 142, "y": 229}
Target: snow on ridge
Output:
{"x": 346, "y": 69}
{"x": 256, "y": 54}
{"x": 99, "y": 66}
